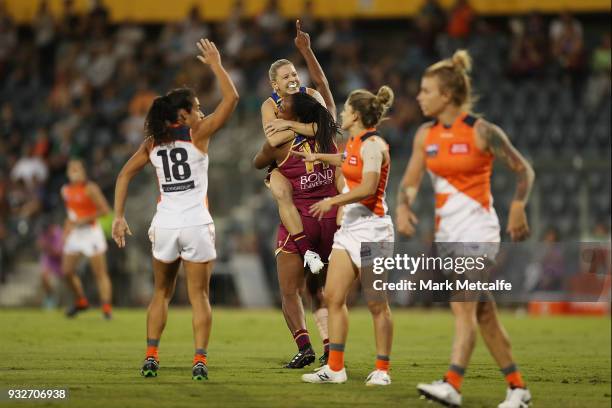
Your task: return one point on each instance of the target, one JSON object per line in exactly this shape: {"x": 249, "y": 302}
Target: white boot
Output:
{"x": 325, "y": 375}
{"x": 441, "y": 392}
{"x": 378, "y": 377}
{"x": 516, "y": 398}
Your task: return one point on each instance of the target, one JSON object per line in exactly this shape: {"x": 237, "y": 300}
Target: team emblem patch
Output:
{"x": 432, "y": 150}
{"x": 459, "y": 148}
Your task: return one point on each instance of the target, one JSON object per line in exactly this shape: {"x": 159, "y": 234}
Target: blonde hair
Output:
{"x": 372, "y": 108}
{"x": 275, "y": 66}
{"x": 453, "y": 75}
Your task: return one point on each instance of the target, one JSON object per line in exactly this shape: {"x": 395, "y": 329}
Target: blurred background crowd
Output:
{"x": 77, "y": 84}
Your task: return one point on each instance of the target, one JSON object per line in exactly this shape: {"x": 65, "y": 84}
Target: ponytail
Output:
{"x": 308, "y": 110}
{"x": 164, "y": 112}
{"x": 158, "y": 118}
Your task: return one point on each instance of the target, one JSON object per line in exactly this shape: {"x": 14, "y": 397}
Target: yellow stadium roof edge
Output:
{"x": 156, "y": 11}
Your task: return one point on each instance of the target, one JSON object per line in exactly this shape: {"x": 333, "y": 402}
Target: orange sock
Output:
{"x": 199, "y": 356}
{"x": 454, "y": 376}
{"x": 107, "y": 308}
{"x": 152, "y": 352}
{"x": 336, "y": 356}
{"x": 82, "y": 302}
{"x": 515, "y": 380}
{"x": 382, "y": 363}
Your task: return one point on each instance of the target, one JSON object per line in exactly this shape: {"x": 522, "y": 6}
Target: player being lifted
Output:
{"x": 177, "y": 140}
{"x": 85, "y": 203}
{"x": 458, "y": 149}
{"x": 282, "y": 118}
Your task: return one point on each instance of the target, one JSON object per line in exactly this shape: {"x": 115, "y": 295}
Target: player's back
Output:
{"x": 311, "y": 182}
{"x": 182, "y": 176}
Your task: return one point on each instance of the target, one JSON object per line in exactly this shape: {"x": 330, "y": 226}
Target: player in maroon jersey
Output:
{"x": 310, "y": 182}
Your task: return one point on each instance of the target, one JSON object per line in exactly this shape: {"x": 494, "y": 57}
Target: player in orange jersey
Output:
{"x": 458, "y": 149}
{"x": 365, "y": 167}
{"x": 85, "y": 203}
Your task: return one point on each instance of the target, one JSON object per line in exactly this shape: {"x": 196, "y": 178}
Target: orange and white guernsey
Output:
{"x": 78, "y": 203}
{"x": 373, "y": 206}
{"x": 461, "y": 178}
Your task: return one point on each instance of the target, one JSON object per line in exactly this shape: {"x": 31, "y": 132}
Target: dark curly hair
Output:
{"x": 308, "y": 110}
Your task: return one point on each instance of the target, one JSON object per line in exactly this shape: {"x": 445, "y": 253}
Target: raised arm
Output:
{"x": 133, "y": 166}
{"x": 229, "y": 96}
{"x": 409, "y": 186}
{"x": 302, "y": 42}
{"x": 496, "y": 141}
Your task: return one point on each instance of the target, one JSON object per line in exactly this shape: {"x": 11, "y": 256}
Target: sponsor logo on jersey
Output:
{"x": 316, "y": 179}
{"x": 352, "y": 160}
{"x": 432, "y": 150}
{"x": 459, "y": 148}
{"x": 171, "y": 188}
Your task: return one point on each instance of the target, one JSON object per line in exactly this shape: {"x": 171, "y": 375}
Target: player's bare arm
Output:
{"x": 498, "y": 143}
{"x": 410, "y": 184}
{"x": 132, "y": 167}
{"x": 265, "y": 157}
{"x": 229, "y": 96}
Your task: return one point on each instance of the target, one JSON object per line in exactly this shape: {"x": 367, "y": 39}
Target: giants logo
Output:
{"x": 459, "y": 148}
{"x": 432, "y": 150}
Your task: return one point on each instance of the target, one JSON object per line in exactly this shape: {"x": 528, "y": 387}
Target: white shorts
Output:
{"x": 87, "y": 240}
{"x": 193, "y": 244}
{"x": 373, "y": 230}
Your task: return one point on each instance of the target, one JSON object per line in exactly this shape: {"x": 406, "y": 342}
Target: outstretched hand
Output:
{"x": 210, "y": 53}
{"x": 302, "y": 39}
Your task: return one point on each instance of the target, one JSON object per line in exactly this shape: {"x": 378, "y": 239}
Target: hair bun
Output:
{"x": 385, "y": 96}
{"x": 462, "y": 60}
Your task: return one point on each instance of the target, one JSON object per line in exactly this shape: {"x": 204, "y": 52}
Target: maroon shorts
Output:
{"x": 319, "y": 233}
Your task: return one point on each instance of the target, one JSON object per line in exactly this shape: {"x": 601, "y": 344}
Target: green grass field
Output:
{"x": 566, "y": 361}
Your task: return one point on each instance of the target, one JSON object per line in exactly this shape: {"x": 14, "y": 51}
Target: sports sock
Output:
{"x": 454, "y": 376}
{"x": 152, "y": 348}
{"x": 302, "y": 339}
{"x": 513, "y": 376}
{"x": 336, "y": 356}
{"x": 82, "y": 302}
{"x": 302, "y": 242}
{"x": 382, "y": 363}
{"x": 107, "y": 308}
{"x": 199, "y": 356}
